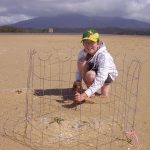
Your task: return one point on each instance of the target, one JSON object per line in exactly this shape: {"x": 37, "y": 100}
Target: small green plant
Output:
{"x": 57, "y": 120}
{"x": 129, "y": 140}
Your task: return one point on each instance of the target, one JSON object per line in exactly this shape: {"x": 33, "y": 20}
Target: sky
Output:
{"x": 12, "y": 11}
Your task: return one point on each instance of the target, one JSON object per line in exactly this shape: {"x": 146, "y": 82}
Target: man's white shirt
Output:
{"x": 105, "y": 66}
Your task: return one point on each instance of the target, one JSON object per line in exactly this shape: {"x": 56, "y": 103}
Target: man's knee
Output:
{"x": 90, "y": 76}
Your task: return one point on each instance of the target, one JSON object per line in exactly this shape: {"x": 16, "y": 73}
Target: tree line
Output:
{"x": 120, "y": 31}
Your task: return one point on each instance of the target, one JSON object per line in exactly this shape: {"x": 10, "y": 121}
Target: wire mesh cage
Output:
{"x": 53, "y": 121}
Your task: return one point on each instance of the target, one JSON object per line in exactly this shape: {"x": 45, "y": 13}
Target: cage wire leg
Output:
{"x": 28, "y": 86}
{"x": 28, "y": 114}
{"x": 131, "y": 107}
{"x": 118, "y": 98}
{"x": 133, "y": 93}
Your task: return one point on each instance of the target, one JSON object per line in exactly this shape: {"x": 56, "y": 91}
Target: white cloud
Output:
{"x": 3, "y": 9}
{"x": 139, "y": 10}
{"x": 4, "y": 20}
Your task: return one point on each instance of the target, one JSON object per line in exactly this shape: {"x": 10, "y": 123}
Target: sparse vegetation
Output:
{"x": 11, "y": 29}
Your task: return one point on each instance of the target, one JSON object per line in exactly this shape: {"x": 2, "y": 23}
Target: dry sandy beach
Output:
{"x": 14, "y": 62}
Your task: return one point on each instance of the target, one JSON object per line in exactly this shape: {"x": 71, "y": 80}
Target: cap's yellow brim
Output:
{"x": 88, "y": 38}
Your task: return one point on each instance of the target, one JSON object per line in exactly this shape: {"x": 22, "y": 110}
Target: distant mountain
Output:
{"x": 80, "y": 21}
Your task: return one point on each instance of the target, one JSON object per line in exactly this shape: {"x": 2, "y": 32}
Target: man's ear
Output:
{"x": 83, "y": 43}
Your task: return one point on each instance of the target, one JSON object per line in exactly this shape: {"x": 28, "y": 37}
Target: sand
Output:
{"x": 14, "y": 54}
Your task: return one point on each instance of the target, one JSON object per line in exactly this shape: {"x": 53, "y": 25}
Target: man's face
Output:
{"x": 90, "y": 46}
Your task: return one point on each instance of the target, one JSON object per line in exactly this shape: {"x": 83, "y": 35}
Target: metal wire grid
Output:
{"x": 52, "y": 121}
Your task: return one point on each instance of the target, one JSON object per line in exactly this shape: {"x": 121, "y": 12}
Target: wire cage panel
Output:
{"x": 53, "y": 121}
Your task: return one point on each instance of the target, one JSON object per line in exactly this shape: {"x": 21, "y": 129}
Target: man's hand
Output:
{"x": 80, "y": 97}
{"x": 77, "y": 87}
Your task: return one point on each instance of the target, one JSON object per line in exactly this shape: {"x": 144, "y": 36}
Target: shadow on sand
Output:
{"x": 67, "y": 95}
